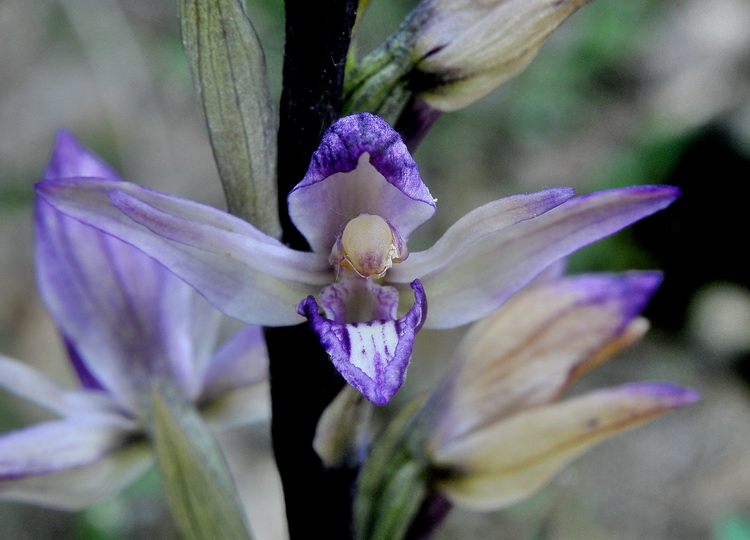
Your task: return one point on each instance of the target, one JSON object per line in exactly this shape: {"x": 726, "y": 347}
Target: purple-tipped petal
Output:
{"x": 71, "y": 159}
{"x": 531, "y": 349}
{"x": 478, "y": 225}
{"x": 372, "y": 356}
{"x": 667, "y": 395}
{"x": 123, "y": 315}
{"x": 246, "y": 274}
{"x": 467, "y": 279}
{"x": 361, "y": 166}
{"x": 507, "y": 461}
{"x": 69, "y": 464}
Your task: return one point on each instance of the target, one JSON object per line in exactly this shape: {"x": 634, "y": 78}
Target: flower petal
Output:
{"x": 353, "y": 299}
{"x": 71, "y": 159}
{"x": 372, "y": 356}
{"x": 246, "y": 274}
{"x": 68, "y": 464}
{"x": 467, "y": 279}
{"x": 28, "y": 383}
{"x": 241, "y": 361}
{"x": 361, "y": 166}
{"x": 123, "y": 313}
{"x": 478, "y": 225}
{"x": 510, "y": 460}
{"x": 529, "y": 351}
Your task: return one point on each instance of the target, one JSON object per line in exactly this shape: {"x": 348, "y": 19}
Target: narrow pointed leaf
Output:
{"x": 228, "y": 68}
{"x": 393, "y": 481}
{"x": 197, "y": 482}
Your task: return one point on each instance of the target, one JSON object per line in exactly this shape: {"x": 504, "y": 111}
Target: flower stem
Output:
{"x": 303, "y": 380}
{"x": 317, "y": 43}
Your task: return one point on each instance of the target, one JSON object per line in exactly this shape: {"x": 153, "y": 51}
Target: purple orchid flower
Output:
{"x": 126, "y": 321}
{"x": 357, "y": 205}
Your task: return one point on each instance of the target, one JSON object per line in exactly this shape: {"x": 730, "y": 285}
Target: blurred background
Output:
{"x": 624, "y": 93}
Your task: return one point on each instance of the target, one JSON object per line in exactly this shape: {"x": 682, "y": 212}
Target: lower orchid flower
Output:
{"x": 359, "y": 202}
{"x": 495, "y": 429}
{"x": 127, "y": 323}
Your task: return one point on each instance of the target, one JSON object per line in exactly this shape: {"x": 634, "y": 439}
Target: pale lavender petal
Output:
{"x": 69, "y": 464}
{"x": 478, "y": 225}
{"x": 466, "y": 280}
{"x": 194, "y": 342}
{"x": 35, "y": 386}
{"x": 241, "y": 361}
{"x": 243, "y": 272}
{"x": 123, "y": 316}
{"x": 122, "y": 313}
{"x": 71, "y": 159}
{"x": 54, "y": 446}
{"x": 189, "y": 328}
{"x": 361, "y": 166}
{"x": 372, "y": 356}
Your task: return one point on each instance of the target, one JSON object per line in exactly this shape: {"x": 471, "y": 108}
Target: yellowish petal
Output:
{"x": 530, "y": 350}
{"x": 510, "y": 460}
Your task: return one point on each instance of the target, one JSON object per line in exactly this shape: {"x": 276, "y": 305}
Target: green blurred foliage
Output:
{"x": 734, "y": 527}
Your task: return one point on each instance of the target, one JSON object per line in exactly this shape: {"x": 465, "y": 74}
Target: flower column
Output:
{"x": 317, "y": 42}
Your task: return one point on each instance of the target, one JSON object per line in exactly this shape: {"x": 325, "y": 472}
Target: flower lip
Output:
{"x": 372, "y": 356}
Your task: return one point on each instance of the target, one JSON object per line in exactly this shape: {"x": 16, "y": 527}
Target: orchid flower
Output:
{"x": 494, "y": 430}
{"x": 359, "y": 202}
{"x": 126, "y": 322}
{"x": 497, "y": 428}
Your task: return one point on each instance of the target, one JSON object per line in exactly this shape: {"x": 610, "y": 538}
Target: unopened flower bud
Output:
{"x": 466, "y": 48}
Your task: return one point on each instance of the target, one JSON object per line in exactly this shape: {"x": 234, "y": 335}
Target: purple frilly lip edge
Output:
{"x": 334, "y": 338}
